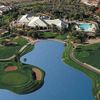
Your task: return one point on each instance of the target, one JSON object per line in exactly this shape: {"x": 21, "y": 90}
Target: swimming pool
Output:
{"x": 85, "y": 26}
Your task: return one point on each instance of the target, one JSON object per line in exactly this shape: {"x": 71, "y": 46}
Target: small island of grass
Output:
{"x": 15, "y": 76}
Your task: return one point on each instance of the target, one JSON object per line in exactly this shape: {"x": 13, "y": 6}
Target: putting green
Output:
{"x": 14, "y": 78}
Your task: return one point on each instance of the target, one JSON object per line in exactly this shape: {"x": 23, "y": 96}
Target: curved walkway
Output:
{"x": 87, "y": 66}
{"x": 12, "y": 57}
{"x": 23, "y": 47}
{"x": 30, "y": 42}
{"x": 7, "y": 59}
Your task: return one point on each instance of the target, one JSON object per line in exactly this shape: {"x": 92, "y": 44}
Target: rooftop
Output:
{"x": 33, "y": 21}
{"x": 90, "y": 2}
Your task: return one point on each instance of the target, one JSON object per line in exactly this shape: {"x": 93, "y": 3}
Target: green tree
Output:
{"x": 82, "y": 36}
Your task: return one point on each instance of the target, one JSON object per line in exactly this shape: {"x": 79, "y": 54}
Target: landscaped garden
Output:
{"x": 89, "y": 54}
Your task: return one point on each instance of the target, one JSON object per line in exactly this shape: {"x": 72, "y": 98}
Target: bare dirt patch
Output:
{"x": 38, "y": 73}
{"x": 10, "y": 68}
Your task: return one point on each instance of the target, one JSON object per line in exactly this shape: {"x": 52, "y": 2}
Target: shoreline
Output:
{"x": 84, "y": 70}
{"x": 85, "y": 65}
{"x": 93, "y": 76}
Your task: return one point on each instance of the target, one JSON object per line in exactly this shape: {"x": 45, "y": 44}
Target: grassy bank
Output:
{"x": 95, "y": 78}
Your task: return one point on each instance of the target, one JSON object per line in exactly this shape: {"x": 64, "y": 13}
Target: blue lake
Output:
{"x": 62, "y": 82}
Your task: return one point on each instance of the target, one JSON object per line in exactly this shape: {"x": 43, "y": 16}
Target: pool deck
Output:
{"x": 93, "y": 41}
{"x": 91, "y": 29}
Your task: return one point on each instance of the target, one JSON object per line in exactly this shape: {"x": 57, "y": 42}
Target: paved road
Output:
{"x": 87, "y": 66}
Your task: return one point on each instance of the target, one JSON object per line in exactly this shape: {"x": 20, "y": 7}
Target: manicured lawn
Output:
{"x": 48, "y": 35}
{"x": 89, "y": 54}
{"x": 8, "y": 51}
{"x": 20, "y": 41}
{"x": 22, "y": 80}
{"x": 61, "y": 36}
{"x": 53, "y": 35}
{"x": 14, "y": 78}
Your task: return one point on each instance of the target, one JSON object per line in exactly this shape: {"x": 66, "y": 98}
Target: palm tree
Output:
{"x": 82, "y": 36}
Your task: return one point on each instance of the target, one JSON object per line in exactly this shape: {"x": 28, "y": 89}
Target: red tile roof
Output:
{"x": 98, "y": 10}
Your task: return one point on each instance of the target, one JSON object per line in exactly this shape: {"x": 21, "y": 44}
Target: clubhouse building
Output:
{"x": 40, "y": 22}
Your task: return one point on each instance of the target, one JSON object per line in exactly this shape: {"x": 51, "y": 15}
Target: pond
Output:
{"x": 62, "y": 82}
